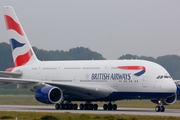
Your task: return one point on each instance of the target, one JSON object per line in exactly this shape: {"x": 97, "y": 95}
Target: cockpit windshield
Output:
{"x": 163, "y": 76}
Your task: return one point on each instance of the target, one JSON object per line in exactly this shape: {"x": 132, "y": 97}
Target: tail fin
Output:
{"x": 22, "y": 51}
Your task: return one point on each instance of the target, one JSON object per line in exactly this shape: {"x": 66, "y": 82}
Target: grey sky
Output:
{"x": 110, "y": 27}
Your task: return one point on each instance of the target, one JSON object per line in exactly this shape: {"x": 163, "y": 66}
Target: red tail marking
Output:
{"x": 11, "y": 24}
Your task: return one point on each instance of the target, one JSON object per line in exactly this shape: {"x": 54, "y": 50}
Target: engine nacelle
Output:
{"x": 49, "y": 95}
{"x": 167, "y": 101}
{"x": 178, "y": 92}
{"x": 170, "y": 100}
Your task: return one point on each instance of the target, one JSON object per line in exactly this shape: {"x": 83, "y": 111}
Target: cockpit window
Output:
{"x": 163, "y": 76}
{"x": 158, "y": 77}
{"x": 166, "y": 76}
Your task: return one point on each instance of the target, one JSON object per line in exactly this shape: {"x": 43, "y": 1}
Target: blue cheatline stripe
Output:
{"x": 15, "y": 43}
{"x": 125, "y": 95}
{"x": 140, "y": 73}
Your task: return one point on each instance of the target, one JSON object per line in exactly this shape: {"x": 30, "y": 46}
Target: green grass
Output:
{"x": 75, "y": 116}
{"x": 9, "y": 91}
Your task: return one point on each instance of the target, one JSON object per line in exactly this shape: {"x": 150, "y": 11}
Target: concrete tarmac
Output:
{"x": 129, "y": 111}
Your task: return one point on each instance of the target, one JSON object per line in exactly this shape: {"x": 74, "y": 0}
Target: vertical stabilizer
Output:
{"x": 22, "y": 51}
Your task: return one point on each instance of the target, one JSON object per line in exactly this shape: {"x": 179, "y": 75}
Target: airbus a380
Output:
{"x": 64, "y": 82}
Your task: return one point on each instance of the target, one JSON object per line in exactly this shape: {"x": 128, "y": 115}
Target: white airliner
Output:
{"x": 64, "y": 82}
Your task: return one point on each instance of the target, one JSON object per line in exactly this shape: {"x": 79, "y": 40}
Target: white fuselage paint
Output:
{"x": 100, "y": 73}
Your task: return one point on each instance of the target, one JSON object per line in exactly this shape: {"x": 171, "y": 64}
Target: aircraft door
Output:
{"x": 145, "y": 81}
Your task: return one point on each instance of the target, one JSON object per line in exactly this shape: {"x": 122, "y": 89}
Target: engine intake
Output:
{"x": 49, "y": 95}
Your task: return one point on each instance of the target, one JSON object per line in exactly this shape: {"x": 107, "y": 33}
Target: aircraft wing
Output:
{"x": 83, "y": 90}
{"x": 71, "y": 89}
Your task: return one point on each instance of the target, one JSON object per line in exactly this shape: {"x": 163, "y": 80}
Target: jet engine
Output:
{"x": 166, "y": 101}
{"x": 178, "y": 91}
{"x": 49, "y": 95}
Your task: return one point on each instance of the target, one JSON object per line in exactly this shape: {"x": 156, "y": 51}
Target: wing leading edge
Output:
{"x": 78, "y": 90}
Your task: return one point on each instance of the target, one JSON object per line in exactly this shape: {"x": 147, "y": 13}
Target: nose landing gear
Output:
{"x": 160, "y": 107}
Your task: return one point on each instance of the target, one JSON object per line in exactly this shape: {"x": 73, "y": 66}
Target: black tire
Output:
{"x": 162, "y": 108}
{"x": 109, "y": 106}
{"x": 66, "y": 106}
{"x": 75, "y": 106}
{"x": 114, "y": 107}
{"x": 85, "y": 106}
{"x": 105, "y": 106}
{"x": 71, "y": 106}
{"x": 91, "y": 106}
{"x": 57, "y": 106}
{"x": 157, "y": 108}
{"x": 61, "y": 106}
{"x": 95, "y": 106}
{"x": 81, "y": 106}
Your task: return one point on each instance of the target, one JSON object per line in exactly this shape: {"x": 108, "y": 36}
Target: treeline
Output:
{"x": 170, "y": 62}
{"x": 79, "y": 53}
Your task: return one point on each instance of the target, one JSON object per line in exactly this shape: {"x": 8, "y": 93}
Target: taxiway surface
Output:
{"x": 130, "y": 111}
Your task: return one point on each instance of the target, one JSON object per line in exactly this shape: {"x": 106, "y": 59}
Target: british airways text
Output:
{"x": 110, "y": 76}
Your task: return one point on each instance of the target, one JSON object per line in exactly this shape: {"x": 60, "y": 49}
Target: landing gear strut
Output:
{"x": 160, "y": 107}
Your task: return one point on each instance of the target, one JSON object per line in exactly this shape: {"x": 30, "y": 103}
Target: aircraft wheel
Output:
{"x": 75, "y": 106}
{"x": 85, "y": 106}
{"x": 91, "y": 106}
{"x": 88, "y": 106}
{"x": 95, "y": 106}
{"x": 162, "y": 108}
{"x": 114, "y": 107}
{"x": 61, "y": 106}
{"x": 109, "y": 106}
{"x": 105, "y": 106}
{"x": 81, "y": 106}
{"x": 66, "y": 106}
{"x": 157, "y": 108}
{"x": 57, "y": 106}
{"x": 71, "y": 106}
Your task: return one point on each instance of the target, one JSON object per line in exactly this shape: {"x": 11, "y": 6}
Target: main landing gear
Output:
{"x": 70, "y": 106}
{"x": 86, "y": 106}
{"x": 110, "y": 106}
{"x": 160, "y": 107}
{"x": 66, "y": 106}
